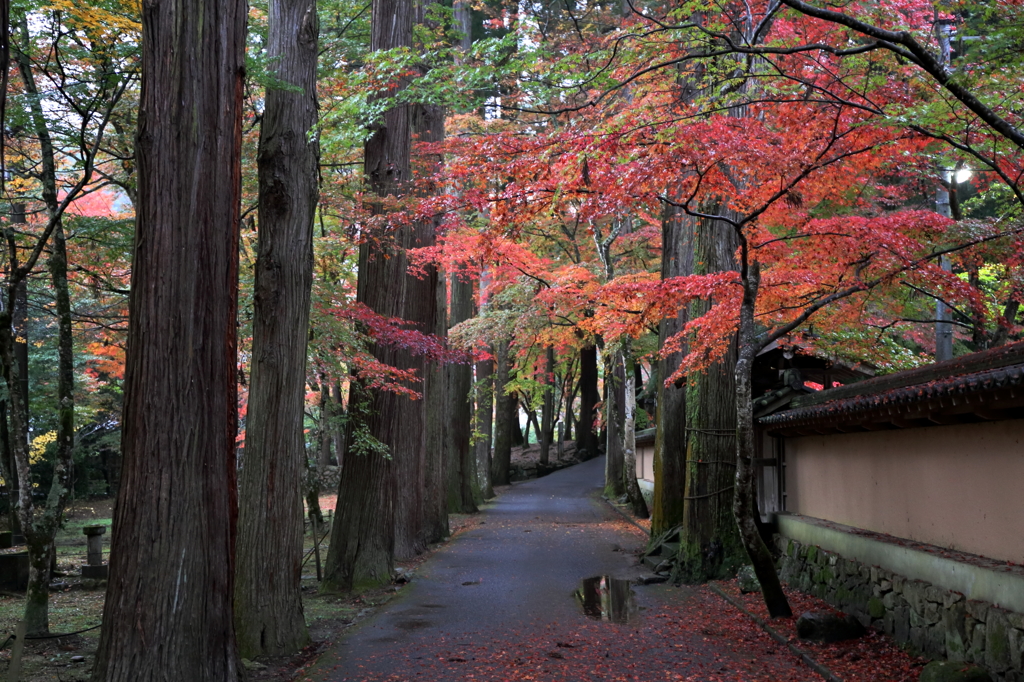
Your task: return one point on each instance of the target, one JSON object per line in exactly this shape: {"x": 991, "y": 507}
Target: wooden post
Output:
{"x": 14, "y": 671}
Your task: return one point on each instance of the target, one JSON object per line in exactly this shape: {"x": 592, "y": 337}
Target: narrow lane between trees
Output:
{"x": 498, "y": 603}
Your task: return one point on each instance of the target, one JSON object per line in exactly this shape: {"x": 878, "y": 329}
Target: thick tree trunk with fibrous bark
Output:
{"x": 586, "y": 439}
{"x": 432, "y": 522}
{"x": 504, "y": 413}
{"x": 709, "y": 545}
{"x": 484, "y": 423}
{"x": 463, "y": 488}
{"x": 547, "y": 409}
{"x": 421, "y": 485}
{"x": 670, "y": 406}
{"x": 327, "y": 428}
{"x": 168, "y": 612}
{"x": 269, "y": 619}
{"x": 362, "y": 549}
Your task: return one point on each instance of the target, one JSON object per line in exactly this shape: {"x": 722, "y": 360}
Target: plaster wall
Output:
{"x": 958, "y": 486}
{"x": 645, "y": 462}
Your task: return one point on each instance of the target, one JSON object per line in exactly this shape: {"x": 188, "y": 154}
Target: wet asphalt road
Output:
{"x": 497, "y": 602}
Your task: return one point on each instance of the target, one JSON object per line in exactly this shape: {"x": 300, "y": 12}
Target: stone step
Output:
{"x": 652, "y": 562}
{"x": 669, "y": 549}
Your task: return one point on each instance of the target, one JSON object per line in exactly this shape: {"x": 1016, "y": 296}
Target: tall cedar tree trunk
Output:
{"x": 484, "y": 422}
{"x": 504, "y": 414}
{"x": 362, "y": 549}
{"x": 670, "y": 406}
{"x": 432, "y": 526}
{"x": 547, "y": 409}
{"x": 327, "y": 431}
{"x": 168, "y": 613}
{"x": 437, "y": 416}
{"x": 636, "y": 498}
{"x": 744, "y": 505}
{"x": 463, "y": 489}
{"x": 464, "y": 486}
{"x": 709, "y": 545}
{"x": 39, "y": 528}
{"x": 677, "y": 260}
{"x": 268, "y": 601}
{"x": 414, "y": 437}
{"x": 615, "y": 417}
{"x": 586, "y": 439}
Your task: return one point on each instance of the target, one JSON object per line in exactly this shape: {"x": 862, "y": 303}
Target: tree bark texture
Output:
{"x": 434, "y": 523}
{"x": 269, "y": 619}
{"x": 168, "y": 612}
{"x": 463, "y": 489}
{"x": 362, "y": 549}
{"x": 361, "y": 554}
{"x": 484, "y": 425}
{"x": 744, "y": 503}
{"x": 633, "y": 494}
{"x": 547, "y": 409}
{"x": 586, "y": 439}
{"x": 427, "y": 305}
{"x": 670, "y": 407}
{"x": 615, "y": 416}
{"x": 709, "y": 544}
{"x": 504, "y": 412}
{"x": 327, "y": 429}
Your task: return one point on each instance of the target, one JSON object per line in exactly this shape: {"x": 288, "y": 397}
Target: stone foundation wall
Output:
{"x": 938, "y": 623}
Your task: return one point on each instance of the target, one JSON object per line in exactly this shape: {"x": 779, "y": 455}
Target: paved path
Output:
{"x": 497, "y": 603}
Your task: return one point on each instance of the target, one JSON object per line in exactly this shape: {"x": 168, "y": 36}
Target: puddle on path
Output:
{"x": 607, "y": 598}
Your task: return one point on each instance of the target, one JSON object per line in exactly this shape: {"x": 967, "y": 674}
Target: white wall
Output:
{"x": 958, "y": 486}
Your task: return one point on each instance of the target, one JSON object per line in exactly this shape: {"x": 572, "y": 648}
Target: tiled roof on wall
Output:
{"x": 977, "y": 387}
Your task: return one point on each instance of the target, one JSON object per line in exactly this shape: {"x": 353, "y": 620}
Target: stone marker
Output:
{"x": 748, "y": 580}
{"x": 10, "y": 539}
{"x": 948, "y": 671}
{"x": 14, "y": 571}
{"x": 828, "y": 627}
{"x": 95, "y": 568}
